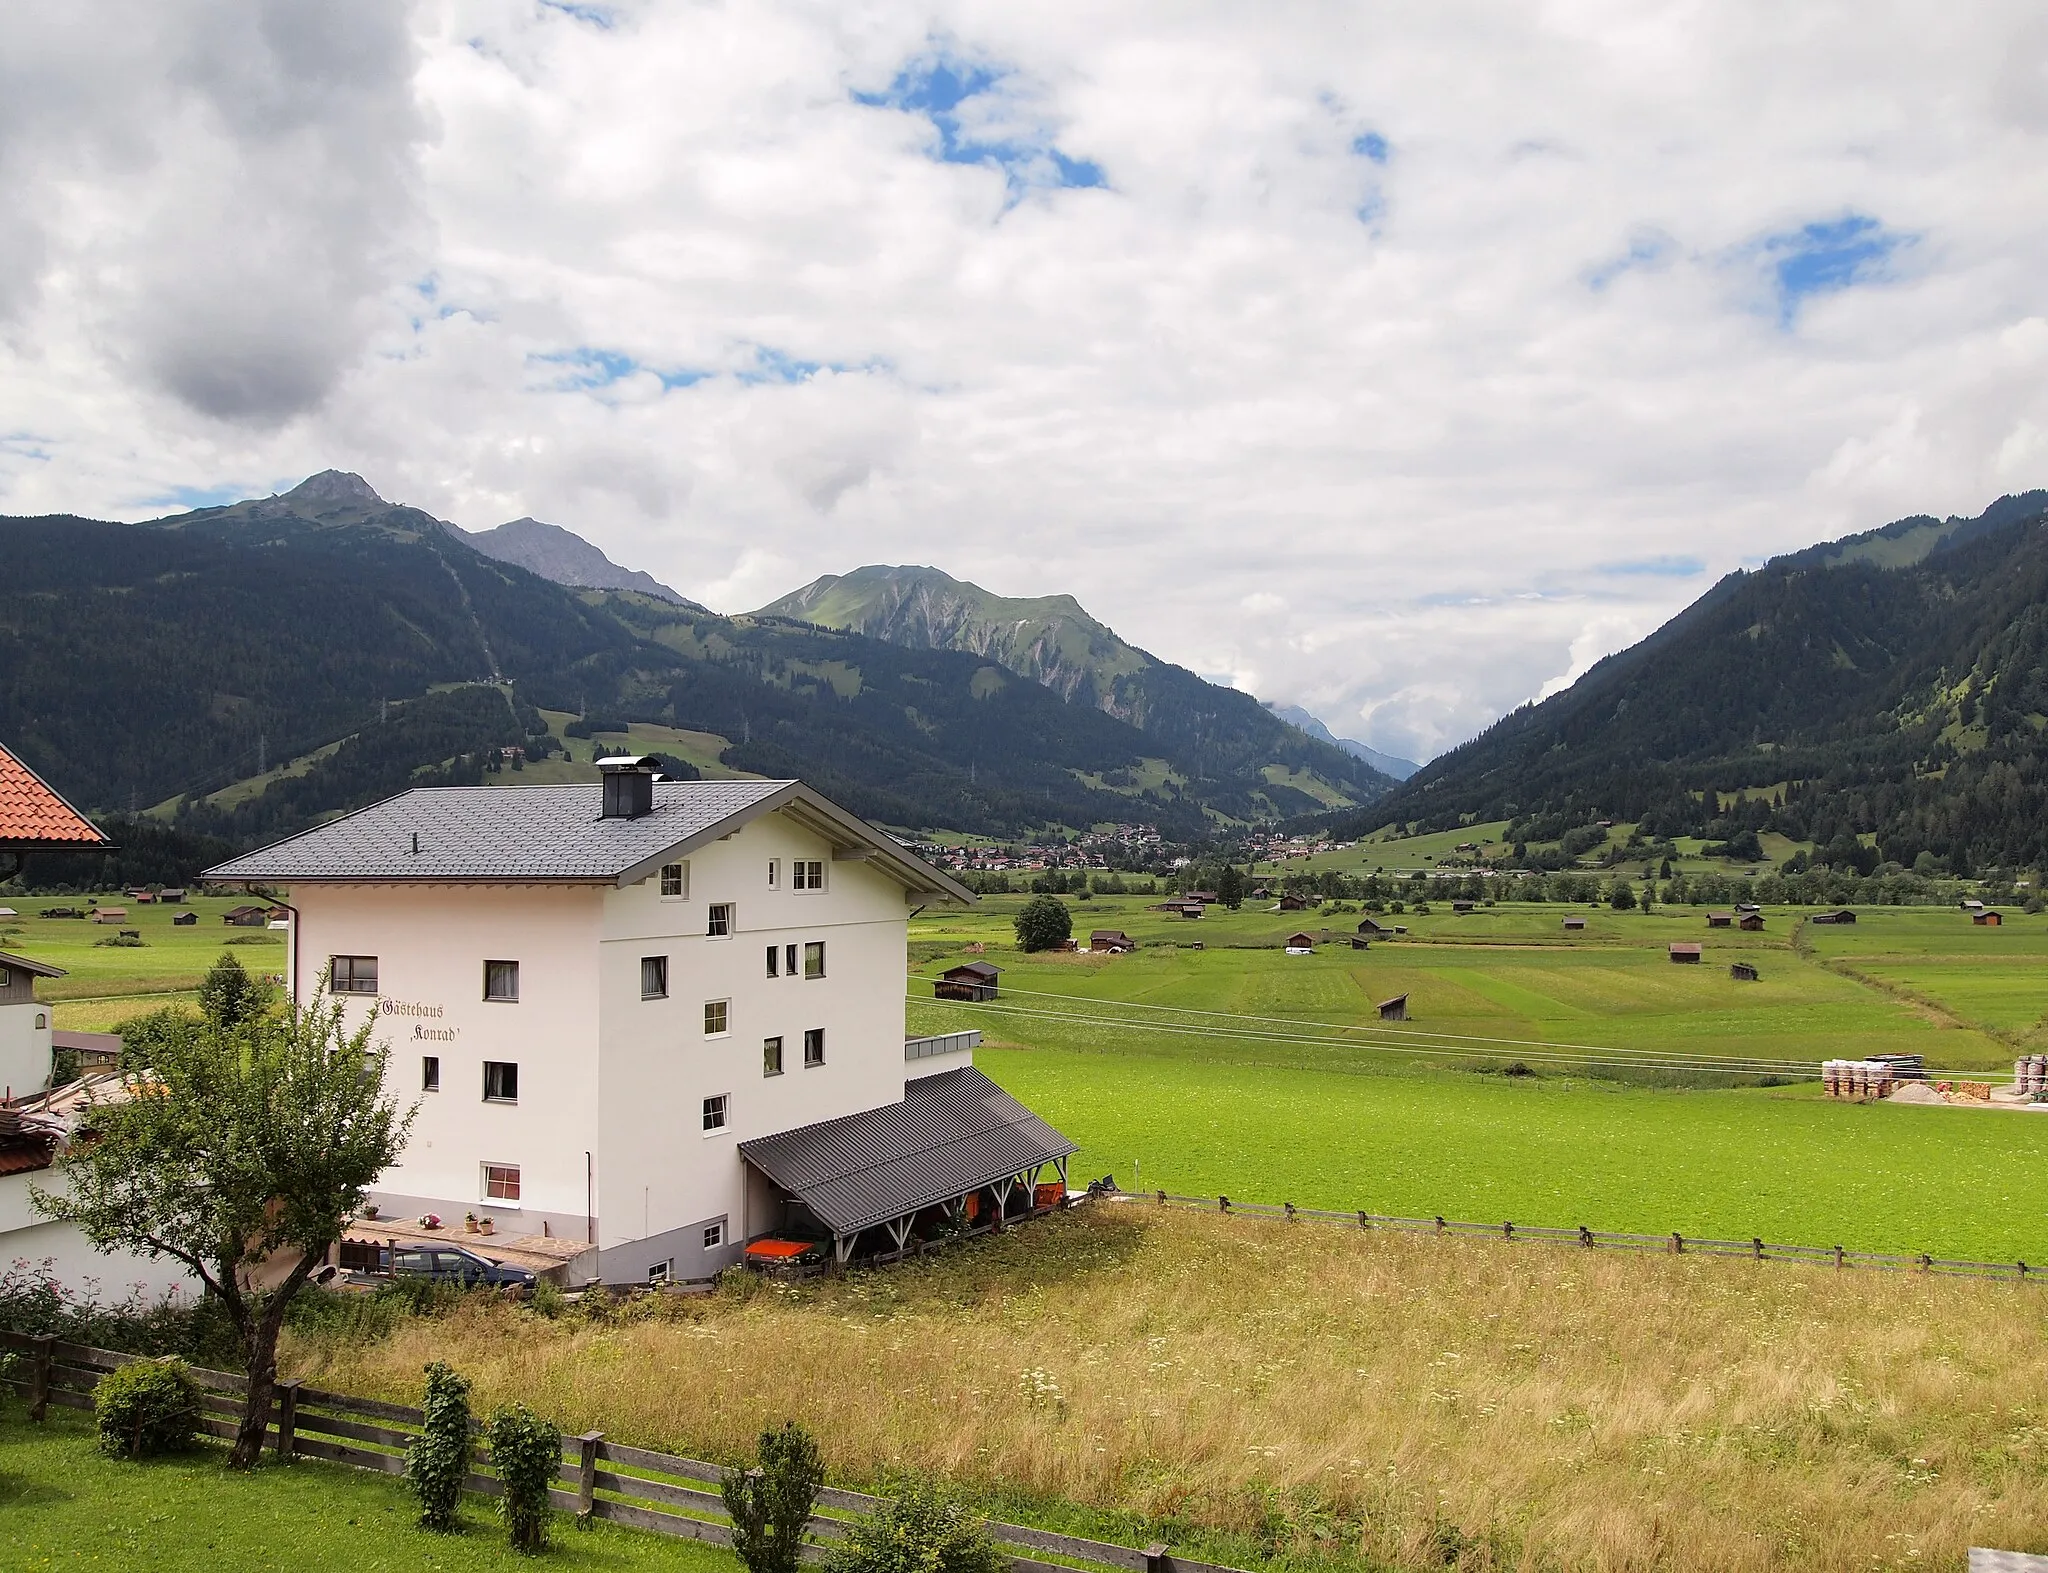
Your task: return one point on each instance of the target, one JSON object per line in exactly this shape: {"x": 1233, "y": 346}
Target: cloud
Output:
{"x": 1400, "y": 360}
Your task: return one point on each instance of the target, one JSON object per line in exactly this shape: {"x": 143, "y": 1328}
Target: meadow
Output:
{"x": 1249, "y": 1389}
{"x": 1543, "y": 1079}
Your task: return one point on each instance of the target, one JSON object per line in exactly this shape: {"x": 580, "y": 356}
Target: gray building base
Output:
{"x": 678, "y": 1255}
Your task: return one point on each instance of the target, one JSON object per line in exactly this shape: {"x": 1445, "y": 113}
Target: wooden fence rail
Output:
{"x": 1590, "y": 1239}
{"x": 634, "y": 1486}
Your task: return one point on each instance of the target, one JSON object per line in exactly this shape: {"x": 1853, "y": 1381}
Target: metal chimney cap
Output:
{"x": 629, "y": 762}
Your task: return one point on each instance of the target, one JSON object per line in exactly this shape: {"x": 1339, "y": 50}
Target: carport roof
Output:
{"x": 952, "y": 1134}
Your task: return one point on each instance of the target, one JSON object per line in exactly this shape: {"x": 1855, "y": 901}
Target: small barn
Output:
{"x": 1301, "y": 944}
{"x": 174, "y": 897}
{"x": 1720, "y": 920}
{"x": 1372, "y": 928}
{"x": 110, "y": 914}
{"x": 1395, "y": 1009}
{"x": 1187, "y": 909}
{"x": 1462, "y": 907}
{"x": 184, "y": 920}
{"x": 1292, "y": 903}
{"x": 245, "y": 917}
{"x": 1842, "y": 915}
{"x": 1360, "y": 942}
{"x": 1110, "y": 942}
{"x": 1685, "y": 954}
{"x": 1987, "y": 919}
{"x": 1751, "y": 922}
{"x": 1743, "y": 971}
{"x": 1575, "y": 925}
{"x": 972, "y": 980}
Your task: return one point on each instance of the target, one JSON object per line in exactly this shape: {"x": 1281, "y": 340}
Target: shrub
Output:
{"x": 146, "y": 1408}
{"x": 526, "y": 1451}
{"x": 921, "y": 1531}
{"x": 1043, "y": 923}
{"x": 437, "y": 1460}
{"x": 770, "y": 1505}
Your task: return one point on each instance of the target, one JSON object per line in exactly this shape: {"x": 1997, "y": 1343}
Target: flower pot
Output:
{"x": 370, "y": 1212}
{"x": 486, "y": 1226}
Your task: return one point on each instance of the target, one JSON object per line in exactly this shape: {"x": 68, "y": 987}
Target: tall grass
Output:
{"x": 1304, "y": 1391}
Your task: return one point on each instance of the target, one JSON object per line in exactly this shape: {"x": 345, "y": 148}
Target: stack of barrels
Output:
{"x": 1856, "y": 1079}
{"x": 2030, "y": 1075}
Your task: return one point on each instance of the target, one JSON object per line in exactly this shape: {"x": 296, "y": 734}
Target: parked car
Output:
{"x": 452, "y": 1264}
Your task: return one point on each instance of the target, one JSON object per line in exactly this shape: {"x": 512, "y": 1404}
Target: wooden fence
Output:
{"x": 1591, "y": 1239}
{"x": 600, "y": 1479}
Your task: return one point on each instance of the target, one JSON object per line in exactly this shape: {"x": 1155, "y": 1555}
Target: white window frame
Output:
{"x": 779, "y": 1063}
{"x": 658, "y": 1273}
{"x": 801, "y": 876}
{"x": 681, "y": 871}
{"x": 817, "y": 945}
{"x": 483, "y": 1188}
{"x": 775, "y": 873}
{"x": 712, "y": 920}
{"x": 814, "y": 1035}
{"x": 719, "y": 1107}
{"x": 724, "y": 1027}
{"x": 714, "y": 1235}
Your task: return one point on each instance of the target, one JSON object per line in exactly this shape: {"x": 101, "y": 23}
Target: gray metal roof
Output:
{"x": 951, "y": 1134}
{"x": 550, "y": 833}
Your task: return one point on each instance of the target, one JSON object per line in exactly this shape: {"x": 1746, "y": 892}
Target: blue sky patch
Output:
{"x": 1824, "y": 257}
{"x": 1647, "y": 248}
{"x": 595, "y": 15}
{"x": 1653, "y": 567}
{"x": 982, "y": 120}
{"x": 185, "y": 499}
{"x": 587, "y": 367}
{"x": 1370, "y": 144}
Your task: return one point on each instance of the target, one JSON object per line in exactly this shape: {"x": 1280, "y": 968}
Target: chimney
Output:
{"x": 628, "y": 786}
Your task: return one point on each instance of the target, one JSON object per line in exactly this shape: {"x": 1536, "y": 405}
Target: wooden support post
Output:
{"x": 1162, "y": 1198}
{"x": 1926, "y": 1263}
{"x": 41, "y": 1359}
{"x": 1365, "y": 1220}
{"x": 1585, "y": 1237}
{"x": 287, "y": 1419}
{"x": 1439, "y": 1223}
{"x": 1756, "y": 1246}
{"x": 1223, "y": 1204}
{"x": 1289, "y": 1206}
{"x": 2023, "y": 1272}
{"x": 586, "y": 1475}
{"x": 1677, "y": 1243}
{"x": 1507, "y": 1230}
{"x": 1838, "y": 1256}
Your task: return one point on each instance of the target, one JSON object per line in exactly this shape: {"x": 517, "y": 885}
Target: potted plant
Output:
{"x": 486, "y": 1226}
{"x": 370, "y": 1211}
{"x": 469, "y": 1223}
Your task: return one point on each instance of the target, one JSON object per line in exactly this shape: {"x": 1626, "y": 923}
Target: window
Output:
{"x": 430, "y": 1073}
{"x": 352, "y": 975}
{"x": 501, "y": 980}
{"x": 718, "y": 921}
{"x": 774, "y": 872}
{"x": 715, "y": 1014}
{"x": 714, "y": 1113}
{"x": 6, "y": 978}
{"x": 42, "y": 1020}
{"x": 789, "y": 959}
{"x": 501, "y": 1082}
{"x": 654, "y": 977}
{"x": 814, "y": 958}
{"x": 501, "y": 1182}
{"x": 714, "y": 1235}
{"x": 658, "y": 1273}
{"x": 675, "y": 881}
{"x": 771, "y": 1056}
{"x": 774, "y": 955}
{"x": 806, "y": 874}
{"x": 814, "y": 1046}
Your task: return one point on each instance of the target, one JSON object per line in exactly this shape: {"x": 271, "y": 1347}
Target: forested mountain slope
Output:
{"x": 1892, "y": 686}
{"x": 171, "y": 660}
{"x": 1052, "y": 640}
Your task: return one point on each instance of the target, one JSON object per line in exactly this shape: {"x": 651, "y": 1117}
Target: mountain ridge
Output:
{"x": 1386, "y": 764}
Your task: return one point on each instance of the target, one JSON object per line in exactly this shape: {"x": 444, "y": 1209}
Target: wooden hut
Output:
{"x": 1720, "y": 920}
{"x": 1840, "y": 915}
{"x": 1301, "y": 944}
{"x": 1751, "y": 922}
{"x": 1110, "y": 942}
{"x": 1743, "y": 971}
{"x": 1372, "y": 928}
{"x": 1462, "y": 907}
{"x": 1987, "y": 919}
{"x": 1575, "y": 925}
{"x": 1685, "y": 953}
{"x": 1395, "y": 1009}
{"x": 973, "y": 980}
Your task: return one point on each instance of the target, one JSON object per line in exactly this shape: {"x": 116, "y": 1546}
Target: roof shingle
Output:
{"x": 32, "y": 816}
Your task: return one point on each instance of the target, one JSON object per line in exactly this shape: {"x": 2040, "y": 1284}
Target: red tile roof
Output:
{"x": 32, "y": 816}
{"x": 25, "y": 1156}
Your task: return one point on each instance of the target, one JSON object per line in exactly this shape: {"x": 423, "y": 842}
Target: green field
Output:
{"x": 1238, "y": 1069}
{"x": 64, "y": 1505}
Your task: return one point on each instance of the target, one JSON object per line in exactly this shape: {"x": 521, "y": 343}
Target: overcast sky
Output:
{"x": 1398, "y": 360}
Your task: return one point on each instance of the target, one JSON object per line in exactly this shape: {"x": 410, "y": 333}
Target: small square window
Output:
{"x": 658, "y": 1273}
{"x": 774, "y": 957}
{"x": 501, "y": 1182}
{"x": 430, "y": 1073}
{"x": 654, "y": 977}
{"x": 774, "y": 872}
{"x": 714, "y": 1113}
{"x": 352, "y": 975}
{"x": 718, "y": 920}
{"x": 714, "y": 1235}
{"x": 501, "y": 1082}
{"x": 814, "y": 1046}
{"x": 675, "y": 881}
{"x": 806, "y": 874}
{"x": 814, "y": 958}
{"x": 771, "y": 1056}
{"x": 501, "y": 980}
{"x": 716, "y": 1013}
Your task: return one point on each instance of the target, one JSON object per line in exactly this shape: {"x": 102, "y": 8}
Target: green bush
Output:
{"x": 921, "y": 1531}
{"x": 770, "y": 1505}
{"x": 1043, "y": 923}
{"x": 437, "y": 1460}
{"x": 146, "y": 1408}
{"x": 526, "y": 1451}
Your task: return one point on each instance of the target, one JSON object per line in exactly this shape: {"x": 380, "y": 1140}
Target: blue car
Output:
{"x": 452, "y": 1264}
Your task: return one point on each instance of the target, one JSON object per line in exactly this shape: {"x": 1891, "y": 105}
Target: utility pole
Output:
{"x": 262, "y": 744}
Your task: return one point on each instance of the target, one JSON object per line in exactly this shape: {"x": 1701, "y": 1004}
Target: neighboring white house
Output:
{"x": 26, "y": 1042}
{"x": 607, "y": 998}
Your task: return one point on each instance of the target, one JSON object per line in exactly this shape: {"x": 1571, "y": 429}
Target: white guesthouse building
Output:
{"x": 662, "y": 1018}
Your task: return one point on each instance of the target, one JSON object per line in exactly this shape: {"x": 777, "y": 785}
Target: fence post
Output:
{"x": 2023, "y": 1272}
{"x": 1926, "y": 1263}
{"x": 586, "y": 1474}
{"x": 1585, "y": 1237}
{"x": 39, "y": 1378}
{"x": 1838, "y": 1256}
{"x": 1756, "y": 1246}
{"x": 1365, "y": 1220}
{"x": 1677, "y": 1243}
{"x": 287, "y": 1419}
{"x": 1507, "y": 1231}
{"x": 1290, "y": 1210}
{"x": 1439, "y": 1223}
{"x": 1162, "y": 1198}
{"x": 1223, "y": 1204}
{"x": 1156, "y": 1559}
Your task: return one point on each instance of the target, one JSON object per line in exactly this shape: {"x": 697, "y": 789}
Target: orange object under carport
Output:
{"x": 1049, "y": 1195}
{"x": 780, "y": 1250}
